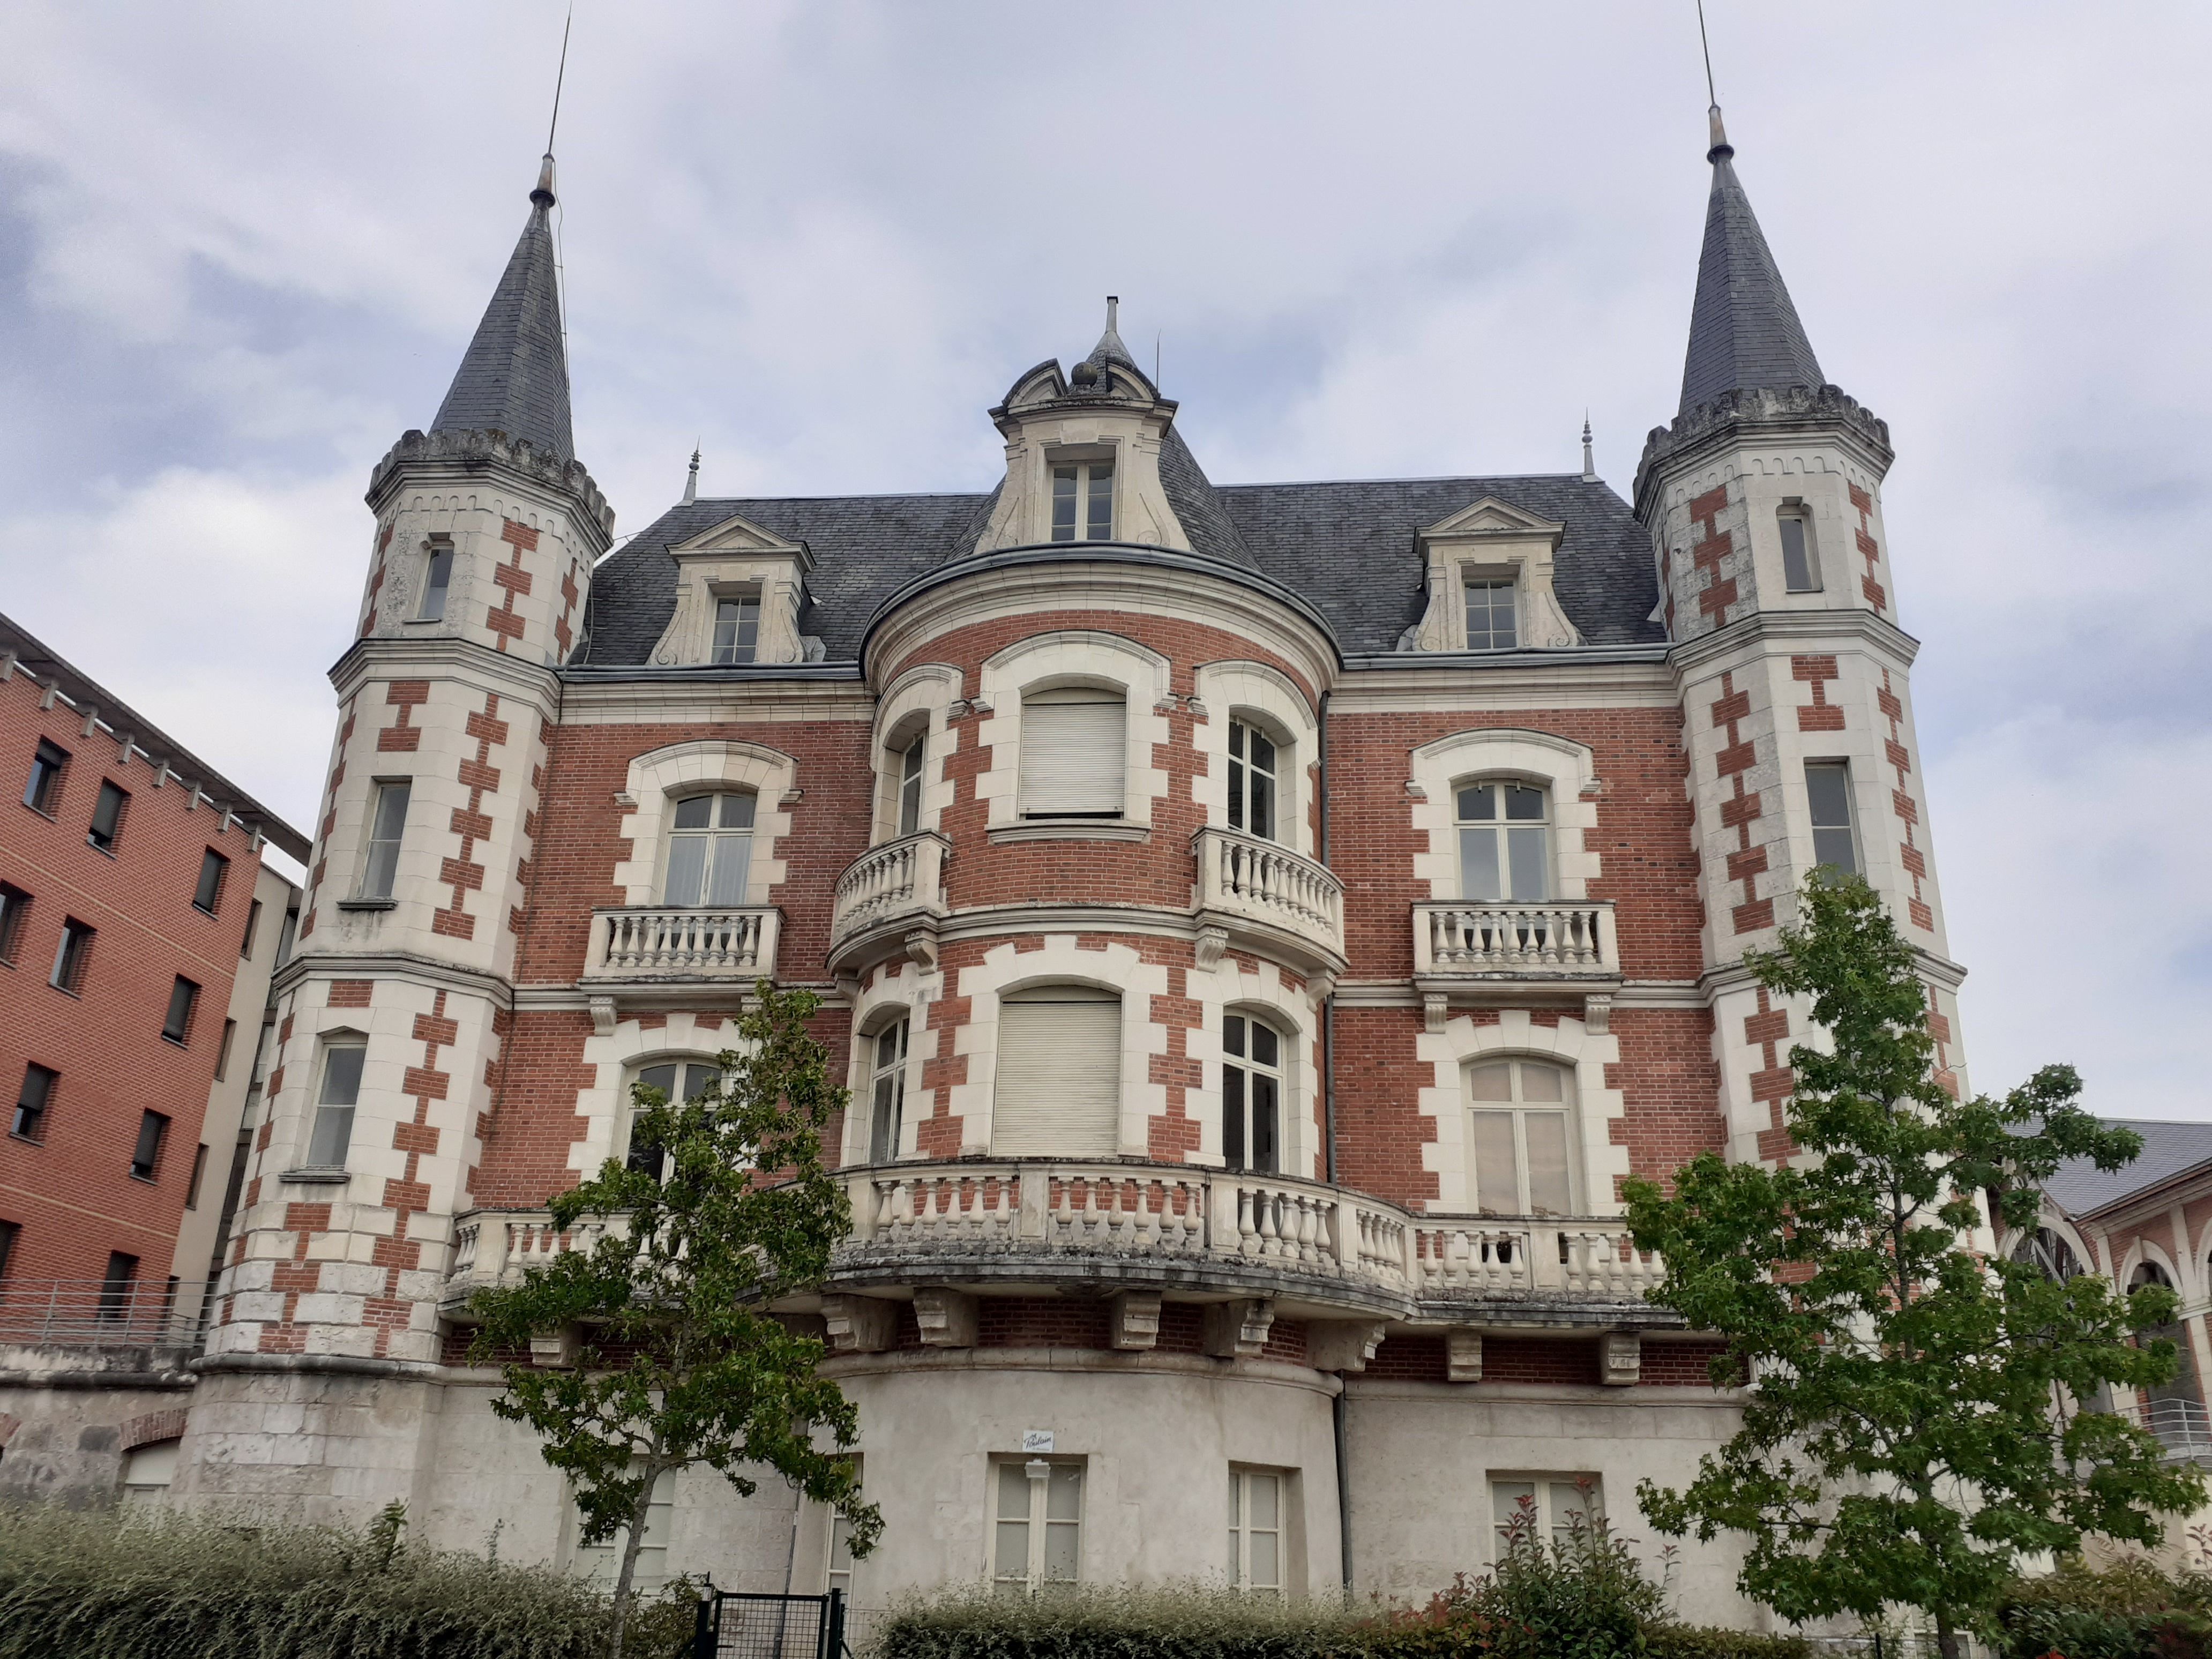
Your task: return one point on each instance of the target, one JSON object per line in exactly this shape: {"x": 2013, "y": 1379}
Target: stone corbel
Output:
{"x": 53, "y": 690}
{"x": 124, "y": 744}
{"x": 1435, "y": 1006}
{"x": 556, "y": 1352}
{"x": 91, "y": 719}
{"x": 1597, "y": 1013}
{"x": 1418, "y": 790}
{"x": 603, "y": 1016}
{"x": 1320, "y": 984}
{"x": 1463, "y": 1356}
{"x": 921, "y": 949}
{"x": 947, "y": 1317}
{"x": 860, "y": 1324}
{"x": 1620, "y": 1358}
{"x": 1212, "y": 945}
{"x": 1133, "y": 1320}
{"x": 162, "y": 773}
{"x": 1238, "y": 1330}
{"x": 1343, "y": 1345}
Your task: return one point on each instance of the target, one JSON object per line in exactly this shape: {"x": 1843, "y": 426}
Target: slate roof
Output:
{"x": 515, "y": 377}
{"x": 2082, "y": 1189}
{"x": 1744, "y": 331}
{"x": 1349, "y": 549}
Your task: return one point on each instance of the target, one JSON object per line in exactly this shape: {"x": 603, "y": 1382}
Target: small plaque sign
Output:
{"x": 1036, "y": 1440}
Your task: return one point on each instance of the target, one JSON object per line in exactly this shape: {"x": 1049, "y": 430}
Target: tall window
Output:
{"x": 332, "y": 1137}
{"x": 1038, "y": 1538}
{"x": 32, "y": 1101}
{"x": 184, "y": 998}
{"x": 678, "y": 1080}
{"x": 153, "y": 1134}
{"x": 107, "y": 816}
{"x": 737, "y": 629}
{"x": 1519, "y": 1133}
{"x": 70, "y": 955}
{"x": 602, "y": 1563}
{"x": 1491, "y": 623}
{"x": 44, "y": 787}
{"x": 1082, "y": 495}
{"x": 207, "y": 892}
{"x": 1828, "y": 795}
{"x": 909, "y": 797}
{"x": 1252, "y": 768}
{"x": 387, "y": 821}
{"x": 222, "y": 1049}
{"x": 437, "y": 577}
{"x": 840, "y": 1558}
{"x": 1251, "y": 1094}
{"x": 1074, "y": 741}
{"x": 10, "y": 1232}
{"x": 1503, "y": 855}
{"x": 1058, "y": 1091}
{"x": 1800, "y": 574}
{"x": 888, "y": 1084}
{"x": 252, "y": 926}
{"x": 709, "y": 846}
{"x": 1255, "y": 1533}
{"x": 14, "y": 906}
{"x": 117, "y": 1285}
{"x": 1554, "y": 1506}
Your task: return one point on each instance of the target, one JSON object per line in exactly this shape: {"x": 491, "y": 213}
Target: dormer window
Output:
{"x": 437, "y": 577}
{"x": 1800, "y": 574}
{"x": 1492, "y": 614}
{"x": 737, "y": 629}
{"x": 1082, "y": 494}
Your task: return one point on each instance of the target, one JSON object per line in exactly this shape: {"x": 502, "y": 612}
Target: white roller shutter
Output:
{"x": 1073, "y": 742}
{"x": 1059, "y": 1091}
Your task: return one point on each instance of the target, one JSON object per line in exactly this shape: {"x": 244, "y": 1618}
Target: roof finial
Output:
{"x": 1718, "y": 147}
{"x": 691, "y": 483}
{"x": 1589, "y": 465}
{"x": 543, "y": 194}
{"x": 1113, "y": 309}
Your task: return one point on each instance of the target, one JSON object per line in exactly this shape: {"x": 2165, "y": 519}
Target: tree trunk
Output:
{"x": 633, "y": 1540}
{"x": 1947, "y": 1643}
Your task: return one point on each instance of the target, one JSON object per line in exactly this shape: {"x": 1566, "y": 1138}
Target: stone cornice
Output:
{"x": 469, "y": 455}
{"x": 1798, "y": 629}
{"x": 643, "y": 696}
{"x": 446, "y": 658}
{"x": 391, "y": 964}
{"x": 1760, "y": 417}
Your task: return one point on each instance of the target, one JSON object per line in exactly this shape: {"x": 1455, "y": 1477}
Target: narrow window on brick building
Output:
{"x": 42, "y": 791}
{"x": 117, "y": 1287}
{"x": 199, "y": 1174}
{"x": 1038, "y": 1533}
{"x": 1074, "y": 744}
{"x": 153, "y": 1135}
{"x": 887, "y": 1081}
{"x": 10, "y": 1232}
{"x": 1057, "y": 1088}
{"x": 222, "y": 1049}
{"x": 1548, "y": 1507}
{"x": 1083, "y": 501}
{"x": 737, "y": 629}
{"x": 252, "y": 926}
{"x": 710, "y": 848}
{"x": 71, "y": 955}
{"x": 1253, "y": 764}
{"x": 909, "y": 806}
{"x": 1828, "y": 797}
{"x": 1251, "y": 1094}
{"x": 1801, "y": 570}
{"x": 32, "y": 1101}
{"x": 331, "y": 1138}
{"x": 387, "y": 823}
{"x": 1255, "y": 1533}
{"x": 107, "y": 816}
{"x": 437, "y": 577}
{"x": 1520, "y": 1122}
{"x": 676, "y": 1079}
{"x": 15, "y": 909}
{"x": 1491, "y": 619}
{"x": 207, "y": 892}
{"x": 183, "y": 999}
{"x": 1504, "y": 851}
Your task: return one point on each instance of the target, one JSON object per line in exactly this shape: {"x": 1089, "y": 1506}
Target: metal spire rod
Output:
{"x": 563, "y": 75}
{"x": 1705, "y": 45}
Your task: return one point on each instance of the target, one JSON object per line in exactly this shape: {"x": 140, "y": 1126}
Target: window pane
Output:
{"x": 1266, "y": 1045}
{"x": 1236, "y": 792}
{"x": 1100, "y": 526}
{"x": 1525, "y": 850}
{"x": 1797, "y": 573}
{"x": 1491, "y": 1082}
{"x": 1265, "y": 1491}
{"x": 391, "y": 810}
{"x": 1828, "y": 791}
{"x": 1232, "y": 1036}
{"x": 1014, "y": 1497}
{"x": 1478, "y": 867}
{"x": 1502, "y": 632}
{"x": 1505, "y": 1498}
{"x": 687, "y": 870}
{"x": 1834, "y": 847}
{"x": 884, "y": 1128}
{"x": 1063, "y": 504}
{"x": 1478, "y": 803}
{"x": 342, "y": 1075}
{"x": 1232, "y": 1116}
{"x": 383, "y": 869}
{"x": 1262, "y": 823}
{"x": 662, "y": 1077}
{"x": 332, "y": 1139}
{"x": 212, "y": 865}
{"x": 737, "y": 812}
{"x": 1540, "y": 1083}
{"x": 1064, "y": 1493}
{"x": 1264, "y": 1114}
{"x": 1496, "y": 1183}
{"x": 106, "y": 813}
{"x": 1263, "y": 752}
{"x": 437, "y": 576}
{"x": 698, "y": 1078}
{"x": 1547, "y": 1163}
{"x": 728, "y": 885}
{"x": 697, "y": 813}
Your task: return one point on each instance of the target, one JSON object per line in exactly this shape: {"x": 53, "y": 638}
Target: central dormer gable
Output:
{"x": 1488, "y": 571}
{"x": 739, "y": 590}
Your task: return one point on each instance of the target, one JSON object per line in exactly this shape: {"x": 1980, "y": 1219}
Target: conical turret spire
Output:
{"x": 1744, "y": 331}
{"x": 514, "y": 378}
{"x": 1109, "y": 349}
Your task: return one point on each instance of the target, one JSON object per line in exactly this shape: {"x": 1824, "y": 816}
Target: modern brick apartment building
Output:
{"x": 1260, "y": 926}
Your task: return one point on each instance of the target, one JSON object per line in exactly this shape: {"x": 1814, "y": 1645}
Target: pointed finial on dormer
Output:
{"x": 691, "y": 483}
{"x": 1113, "y": 311}
{"x": 1590, "y": 465}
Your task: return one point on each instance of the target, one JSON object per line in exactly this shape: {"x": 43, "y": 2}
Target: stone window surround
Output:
{"x": 341, "y": 1028}
{"x": 1230, "y": 990}
{"x": 617, "y": 1058}
{"x": 897, "y": 990}
{"x": 657, "y": 778}
{"x": 1564, "y": 769}
{"x": 1073, "y": 657}
{"x": 923, "y": 693}
{"x": 1514, "y": 1036}
{"x": 1228, "y": 691}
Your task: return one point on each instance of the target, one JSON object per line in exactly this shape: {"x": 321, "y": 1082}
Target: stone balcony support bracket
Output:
{"x": 947, "y": 1317}
{"x": 860, "y": 1324}
{"x": 1238, "y": 1330}
{"x": 1463, "y": 1356}
{"x": 1343, "y": 1345}
{"x": 1134, "y": 1321}
{"x": 1622, "y": 1358}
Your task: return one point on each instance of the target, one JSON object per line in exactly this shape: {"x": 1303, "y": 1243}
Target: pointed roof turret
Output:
{"x": 515, "y": 377}
{"x": 1744, "y": 331}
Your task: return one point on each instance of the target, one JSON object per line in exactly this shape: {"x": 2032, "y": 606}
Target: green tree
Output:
{"x": 1920, "y": 1415}
{"x": 679, "y": 1362}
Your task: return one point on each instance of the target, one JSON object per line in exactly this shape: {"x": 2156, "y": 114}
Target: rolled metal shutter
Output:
{"x": 1059, "y": 1088}
{"x": 1073, "y": 743}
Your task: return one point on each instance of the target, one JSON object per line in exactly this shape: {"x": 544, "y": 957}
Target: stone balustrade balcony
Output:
{"x": 890, "y": 900}
{"x": 493, "y": 1247}
{"x": 1565, "y": 948}
{"x": 1262, "y": 895}
{"x": 669, "y": 947}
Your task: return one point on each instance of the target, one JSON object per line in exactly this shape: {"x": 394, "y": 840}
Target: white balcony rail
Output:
{"x": 667, "y": 943}
{"x": 102, "y": 1313}
{"x": 1459, "y": 1256}
{"x": 900, "y": 878}
{"x": 1242, "y": 878}
{"x": 1520, "y": 940}
{"x": 2181, "y": 1426}
{"x": 494, "y": 1247}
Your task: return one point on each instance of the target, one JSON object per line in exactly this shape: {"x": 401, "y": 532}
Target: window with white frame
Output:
{"x": 887, "y": 1090}
{"x": 678, "y": 1080}
{"x": 909, "y": 784}
{"x": 1253, "y": 764}
{"x": 387, "y": 823}
{"x": 1519, "y": 1136}
{"x": 737, "y": 629}
{"x": 1075, "y": 748}
{"x": 1251, "y": 1094}
{"x": 1504, "y": 843}
{"x": 1256, "y": 1532}
{"x": 1057, "y": 1089}
{"x": 838, "y": 1557}
{"x": 331, "y": 1138}
{"x": 710, "y": 845}
{"x": 1548, "y": 1507}
{"x": 437, "y": 577}
{"x": 1036, "y": 1538}
{"x": 1083, "y": 501}
{"x": 1828, "y": 798}
{"x": 1492, "y": 608}
{"x": 148, "y": 1471}
{"x": 601, "y": 1563}
{"x": 1801, "y": 570}
{"x": 2049, "y": 1254}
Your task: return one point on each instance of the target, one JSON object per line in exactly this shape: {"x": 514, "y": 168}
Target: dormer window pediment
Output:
{"x": 739, "y": 590}
{"x": 1488, "y": 571}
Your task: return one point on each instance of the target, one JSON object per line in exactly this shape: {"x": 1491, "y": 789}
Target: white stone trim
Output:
{"x": 656, "y": 777}
{"x": 1515, "y": 1034}
{"x": 2142, "y": 1250}
{"x": 1229, "y": 689}
{"x": 1565, "y": 770}
{"x": 929, "y": 689}
{"x": 604, "y": 1105}
{"x": 897, "y": 989}
{"x": 1073, "y": 656}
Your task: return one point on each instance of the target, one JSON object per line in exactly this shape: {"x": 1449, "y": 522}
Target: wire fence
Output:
{"x": 104, "y": 1313}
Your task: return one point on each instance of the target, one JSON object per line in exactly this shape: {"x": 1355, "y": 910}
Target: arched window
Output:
{"x": 710, "y": 843}
{"x": 1504, "y": 853}
{"x": 1074, "y": 740}
{"x": 1059, "y": 1087}
{"x": 1251, "y": 1094}
{"x": 679, "y": 1079}
{"x": 1255, "y": 762}
{"x": 2049, "y": 1253}
{"x": 1519, "y": 1135}
{"x": 909, "y": 784}
{"x": 887, "y": 1089}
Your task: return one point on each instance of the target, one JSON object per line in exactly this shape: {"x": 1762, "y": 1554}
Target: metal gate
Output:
{"x": 743, "y": 1624}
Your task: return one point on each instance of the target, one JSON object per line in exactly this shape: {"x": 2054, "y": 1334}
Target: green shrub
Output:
{"x": 1080, "y": 1622}
{"x": 2130, "y": 1610}
{"x": 141, "y": 1586}
{"x": 1708, "y": 1642}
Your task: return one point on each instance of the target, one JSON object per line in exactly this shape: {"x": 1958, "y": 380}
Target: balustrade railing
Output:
{"x": 1521, "y": 939}
{"x": 1242, "y": 878}
{"x": 900, "y": 878}
{"x": 493, "y": 1247}
{"x": 666, "y": 943}
{"x": 1460, "y": 1256}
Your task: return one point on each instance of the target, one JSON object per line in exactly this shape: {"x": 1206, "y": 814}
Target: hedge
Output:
{"x": 2130, "y": 1610}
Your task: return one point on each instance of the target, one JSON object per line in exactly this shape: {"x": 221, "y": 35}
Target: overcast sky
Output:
{"x": 241, "y": 248}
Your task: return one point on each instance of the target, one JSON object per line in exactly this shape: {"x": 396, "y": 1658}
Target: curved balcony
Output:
{"x": 1260, "y": 894}
{"x": 890, "y": 899}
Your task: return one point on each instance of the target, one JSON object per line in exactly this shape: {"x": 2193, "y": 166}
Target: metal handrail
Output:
{"x": 104, "y": 1313}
